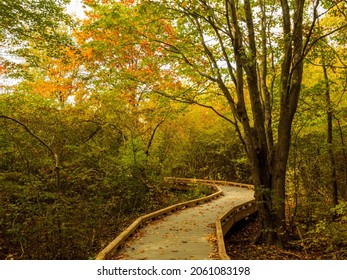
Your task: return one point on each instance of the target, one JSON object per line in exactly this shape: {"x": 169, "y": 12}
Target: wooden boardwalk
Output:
{"x": 188, "y": 234}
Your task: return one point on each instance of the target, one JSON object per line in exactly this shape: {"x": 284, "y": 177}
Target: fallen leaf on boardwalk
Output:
{"x": 211, "y": 237}
{"x": 121, "y": 257}
{"x": 214, "y": 256}
{"x": 142, "y": 251}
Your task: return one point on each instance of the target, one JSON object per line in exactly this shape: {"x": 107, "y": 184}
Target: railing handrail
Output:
{"x": 226, "y": 221}
{"x": 223, "y": 222}
{"x": 216, "y": 182}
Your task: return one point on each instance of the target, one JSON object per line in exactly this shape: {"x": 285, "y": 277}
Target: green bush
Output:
{"x": 329, "y": 234}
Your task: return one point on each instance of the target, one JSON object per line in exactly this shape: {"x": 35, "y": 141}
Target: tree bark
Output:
{"x": 344, "y": 154}
{"x": 246, "y": 57}
{"x": 329, "y": 111}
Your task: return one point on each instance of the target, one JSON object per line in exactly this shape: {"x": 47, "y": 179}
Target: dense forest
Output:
{"x": 96, "y": 110}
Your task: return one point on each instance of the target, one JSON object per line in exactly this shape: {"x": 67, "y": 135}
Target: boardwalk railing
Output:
{"x": 228, "y": 219}
{"x": 207, "y": 182}
{"x": 223, "y": 223}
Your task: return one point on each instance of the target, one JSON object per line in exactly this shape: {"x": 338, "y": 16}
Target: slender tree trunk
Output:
{"x": 344, "y": 154}
{"x": 330, "y": 114}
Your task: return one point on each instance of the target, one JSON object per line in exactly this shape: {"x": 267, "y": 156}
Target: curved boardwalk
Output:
{"x": 186, "y": 234}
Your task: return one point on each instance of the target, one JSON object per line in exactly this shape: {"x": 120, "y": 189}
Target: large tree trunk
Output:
{"x": 269, "y": 162}
{"x": 234, "y": 28}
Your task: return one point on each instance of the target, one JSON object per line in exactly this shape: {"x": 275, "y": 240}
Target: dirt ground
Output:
{"x": 240, "y": 245}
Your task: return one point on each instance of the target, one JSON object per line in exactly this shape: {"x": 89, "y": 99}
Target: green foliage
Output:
{"x": 201, "y": 191}
{"x": 340, "y": 212}
{"x": 329, "y": 234}
{"x": 200, "y": 145}
{"x": 37, "y": 24}
{"x": 106, "y": 178}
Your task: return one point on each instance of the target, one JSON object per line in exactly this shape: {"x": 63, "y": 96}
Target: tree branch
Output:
{"x": 31, "y": 133}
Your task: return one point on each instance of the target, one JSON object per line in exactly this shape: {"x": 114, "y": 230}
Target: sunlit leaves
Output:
{"x": 35, "y": 21}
